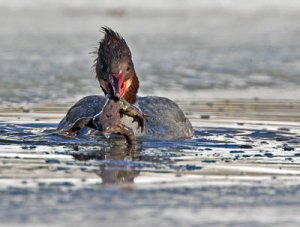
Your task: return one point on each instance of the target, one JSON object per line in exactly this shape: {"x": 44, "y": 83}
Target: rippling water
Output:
{"x": 234, "y": 160}
{"x": 233, "y": 67}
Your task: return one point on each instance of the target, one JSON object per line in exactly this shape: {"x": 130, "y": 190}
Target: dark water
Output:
{"x": 242, "y": 165}
{"x": 209, "y": 145}
{"x": 248, "y": 169}
{"x": 233, "y": 67}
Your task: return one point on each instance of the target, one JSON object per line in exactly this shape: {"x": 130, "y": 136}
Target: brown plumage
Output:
{"x": 113, "y": 57}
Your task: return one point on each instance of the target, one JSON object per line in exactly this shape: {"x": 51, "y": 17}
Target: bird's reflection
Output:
{"x": 115, "y": 165}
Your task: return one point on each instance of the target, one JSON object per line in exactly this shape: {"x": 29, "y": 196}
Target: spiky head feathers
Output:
{"x": 113, "y": 51}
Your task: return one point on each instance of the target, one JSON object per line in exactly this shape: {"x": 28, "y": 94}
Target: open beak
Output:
{"x": 116, "y": 82}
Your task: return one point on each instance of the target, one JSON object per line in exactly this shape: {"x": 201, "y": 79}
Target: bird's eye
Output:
{"x": 128, "y": 68}
{"x": 103, "y": 68}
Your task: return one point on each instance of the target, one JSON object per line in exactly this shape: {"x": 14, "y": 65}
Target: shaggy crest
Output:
{"x": 113, "y": 53}
{"x": 112, "y": 50}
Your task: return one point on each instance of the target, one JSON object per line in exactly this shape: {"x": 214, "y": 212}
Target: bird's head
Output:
{"x": 114, "y": 67}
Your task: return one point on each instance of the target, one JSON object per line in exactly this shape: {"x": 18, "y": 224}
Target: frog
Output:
{"x": 108, "y": 121}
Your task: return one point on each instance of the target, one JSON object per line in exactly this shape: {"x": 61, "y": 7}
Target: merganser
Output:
{"x": 164, "y": 120}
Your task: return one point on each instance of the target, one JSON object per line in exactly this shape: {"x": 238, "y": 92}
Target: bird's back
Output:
{"x": 163, "y": 117}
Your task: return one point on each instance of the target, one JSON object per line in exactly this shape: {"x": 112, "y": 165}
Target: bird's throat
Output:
{"x": 130, "y": 89}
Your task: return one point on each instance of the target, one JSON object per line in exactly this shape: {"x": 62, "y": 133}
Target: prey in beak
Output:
{"x": 114, "y": 85}
{"x": 117, "y": 84}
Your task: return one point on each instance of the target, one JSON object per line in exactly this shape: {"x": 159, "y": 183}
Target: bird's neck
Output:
{"x": 132, "y": 89}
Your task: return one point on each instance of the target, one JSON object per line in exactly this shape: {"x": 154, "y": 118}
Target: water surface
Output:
{"x": 233, "y": 66}
{"x": 235, "y": 162}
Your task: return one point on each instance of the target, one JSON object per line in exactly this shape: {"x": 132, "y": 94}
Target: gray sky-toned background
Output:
{"x": 199, "y": 49}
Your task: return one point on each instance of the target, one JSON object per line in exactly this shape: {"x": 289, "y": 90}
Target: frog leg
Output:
{"x": 123, "y": 130}
{"x": 130, "y": 110}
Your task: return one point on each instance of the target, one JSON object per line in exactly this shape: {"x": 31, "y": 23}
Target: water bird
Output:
{"x": 164, "y": 120}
